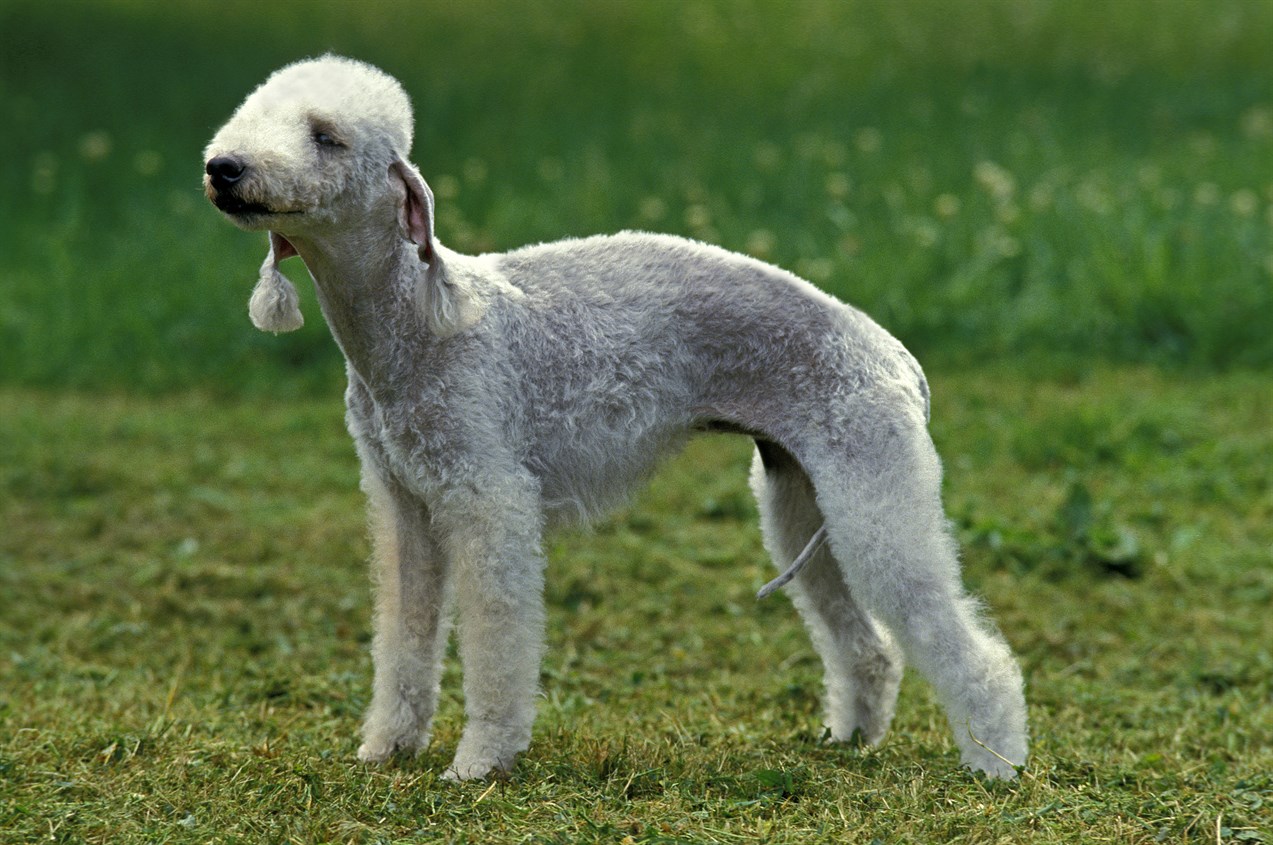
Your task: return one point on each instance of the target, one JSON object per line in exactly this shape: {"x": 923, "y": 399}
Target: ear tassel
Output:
{"x": 275, "y": 306}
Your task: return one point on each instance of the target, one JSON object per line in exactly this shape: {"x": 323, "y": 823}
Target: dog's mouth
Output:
{"x": 237, "y": 207}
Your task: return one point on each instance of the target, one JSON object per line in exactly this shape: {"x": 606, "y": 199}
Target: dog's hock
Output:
{"x": 275, "y": 306}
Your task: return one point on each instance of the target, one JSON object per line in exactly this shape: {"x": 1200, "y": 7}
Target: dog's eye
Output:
{"x": 326, "y": 139}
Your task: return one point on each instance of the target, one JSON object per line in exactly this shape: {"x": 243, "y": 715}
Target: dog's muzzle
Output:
{"x": 225, "y": 174}
{"x": 225, "y": 171}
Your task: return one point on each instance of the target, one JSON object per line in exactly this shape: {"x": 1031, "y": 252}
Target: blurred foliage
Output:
{"x": 1052, "y": 181}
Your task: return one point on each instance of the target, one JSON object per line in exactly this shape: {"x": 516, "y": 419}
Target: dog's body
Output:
{"x": 491, "y": 396}
{"x": 595, "y": 358}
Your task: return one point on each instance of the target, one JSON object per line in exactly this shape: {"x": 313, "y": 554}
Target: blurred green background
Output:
{"x": 1059, "y": 183}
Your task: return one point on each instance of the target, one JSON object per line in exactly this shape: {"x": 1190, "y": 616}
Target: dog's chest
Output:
{"x": 415, "y": 442}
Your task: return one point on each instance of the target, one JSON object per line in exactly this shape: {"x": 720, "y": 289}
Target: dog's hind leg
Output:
{"x": 410, "y": 577}
{"x": 863, "y": 668}
{"x": 887, "y": 529}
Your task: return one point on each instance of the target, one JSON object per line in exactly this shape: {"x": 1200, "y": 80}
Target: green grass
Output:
{"x": 184, "y": 620}
{"x": 1061, "y": 181}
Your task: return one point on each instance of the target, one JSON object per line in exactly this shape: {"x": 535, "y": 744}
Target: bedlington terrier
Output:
{"x": 493, "y": 396}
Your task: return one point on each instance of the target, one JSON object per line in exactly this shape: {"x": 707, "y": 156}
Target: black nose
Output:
{"x": 225, "y": 171}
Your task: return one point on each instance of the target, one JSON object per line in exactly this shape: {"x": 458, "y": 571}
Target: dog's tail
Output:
{"x": 815, "y": 542}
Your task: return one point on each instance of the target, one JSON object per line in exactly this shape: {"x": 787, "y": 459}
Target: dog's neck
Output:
{"x": 366, "y": 282}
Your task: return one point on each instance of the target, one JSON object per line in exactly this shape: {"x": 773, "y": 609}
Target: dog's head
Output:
{"x": 314, "y": 138}
{"x": 319, "y": 144}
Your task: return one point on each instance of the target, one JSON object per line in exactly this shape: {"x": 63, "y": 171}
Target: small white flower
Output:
{"x": 1257, "y": 122}
{"x": 446, "y": 187}
{"x": 44, "y": 174}
{"x": 947, "y": 206}
{"x": 767, "y": 155}
{"x": 551, "y": 169}
{"x": 475, "y": 171}
{"x": 147, "y": 162}
{"x": 869, "y": 140}
{"x": 96, "y": 145}
{"x": 835, "y": 153}
{"x": 1244, "y": 202}
{"x": 1008, "y": 213}
{"x": 760, "y": 243}
{"x": 698, "y": 216}
{"x": 816, "y": 269}
{"x": 1095, "y": 196}
{"x": 1041, "y": 197}
{"x": 652, "y": 209}
{"x": 837, "y": 185}
{"x": 995, "y": 180}
{"x": 1208, "y": 193}
{"x": 927, "y": 232}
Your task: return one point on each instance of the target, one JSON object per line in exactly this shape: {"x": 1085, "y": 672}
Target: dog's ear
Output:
{"x": 415, "y": 207}
{"x": 448, "y": 301}
{"x": 275, "y": 306}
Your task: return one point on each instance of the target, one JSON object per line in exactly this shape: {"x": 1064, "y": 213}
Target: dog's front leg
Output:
{"x": 409, "y": 573}
{"x": 499, "y": 583}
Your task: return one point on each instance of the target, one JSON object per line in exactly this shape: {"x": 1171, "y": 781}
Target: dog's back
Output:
{"x": 623, "y": 345}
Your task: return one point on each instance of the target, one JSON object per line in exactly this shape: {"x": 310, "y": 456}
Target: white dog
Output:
{"x": 492, "y": 396}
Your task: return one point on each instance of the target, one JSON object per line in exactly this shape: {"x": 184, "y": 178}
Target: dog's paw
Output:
{"x": 992, "y": 764}
{"x": 857, "y": 734}
{"x": 389, "y": 731}
{"x": 376, "y": 752}
{"x": 476, "y": 770}
{"x": 994, "y": 769}
{"x": 481, "y": 767}
{"x": 380, "y": 749}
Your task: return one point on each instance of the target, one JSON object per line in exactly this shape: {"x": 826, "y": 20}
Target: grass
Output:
{"x": 184, "y": 620}
{"x": 1064, "y": 208}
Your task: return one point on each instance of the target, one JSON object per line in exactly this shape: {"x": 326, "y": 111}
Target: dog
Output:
{"x": 492, "y": 397}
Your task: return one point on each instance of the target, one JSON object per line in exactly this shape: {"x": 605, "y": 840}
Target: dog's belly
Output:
{"x": 584, "y": 476}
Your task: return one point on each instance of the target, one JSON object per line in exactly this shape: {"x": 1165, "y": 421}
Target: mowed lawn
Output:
{"x": 185, "y": 616}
